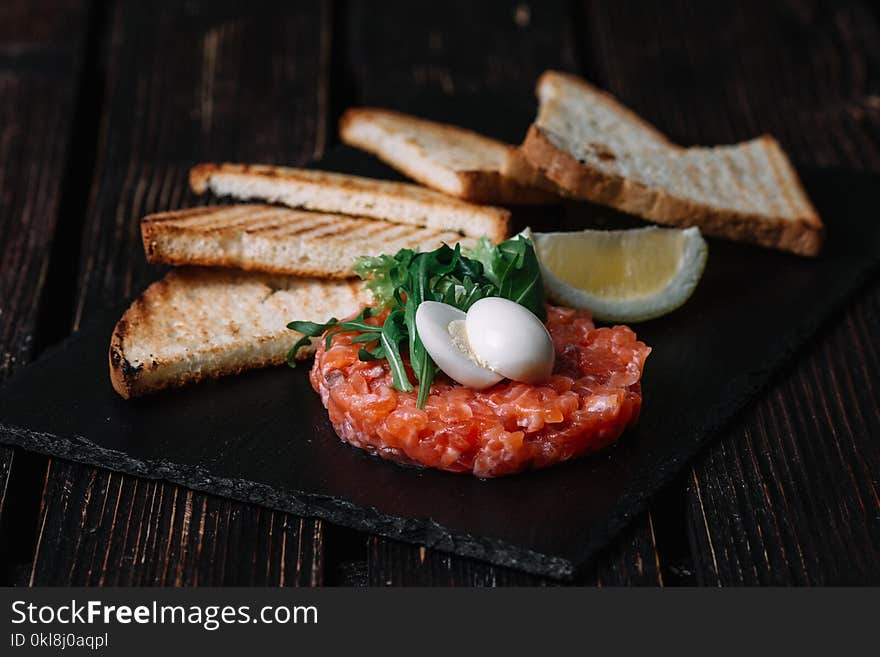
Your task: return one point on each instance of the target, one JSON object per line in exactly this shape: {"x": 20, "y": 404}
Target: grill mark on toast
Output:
{"x": 433, "y": 237}
{"x": 246, "y": 222}
{"x": 386, "y": 230}
{"x": 281, "y": 230}
{"x": 335, "y": 232}
{"x": 344, "y": 225}
{"x": 398, "y": 236}
{"x": 221, "y": 218}
{"x": 455, "y": 237}
{"x": 407, "y": 234}
{"x": 226, "y": 211}
{"x": 274, "y": 222}
{"x": 175, "y": 215}
{"x": 443, "y": 235}
{"x": 307, "y": 228}
{"x": 426, "y": 239}
{"x": 249, "y": 224}
{"x": 228, "y": 180}
{"x": 439, "y": 237}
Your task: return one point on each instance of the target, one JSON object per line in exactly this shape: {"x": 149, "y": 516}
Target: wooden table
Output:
{"x": 105, "y": 105}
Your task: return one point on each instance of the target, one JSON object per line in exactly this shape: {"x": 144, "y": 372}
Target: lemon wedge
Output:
{"x": 621, "y": 275}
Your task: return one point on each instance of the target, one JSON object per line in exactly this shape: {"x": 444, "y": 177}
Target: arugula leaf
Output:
{"x": 372, "y": 336}
{"x": 329, "y": 329}
{"x": 290, "y": 358}
{"x": 513, "y": 269}
{"x": 367, "y": 355}
{"x": 312, "y": 329}
{"x": 392, "y": 334}
{"x": 419, "y": 291}
{"x": 483, "y": 253}
{"x": 309, "y": 330}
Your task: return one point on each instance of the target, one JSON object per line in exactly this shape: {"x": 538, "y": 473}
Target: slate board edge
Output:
{"x": 420, "y": 531}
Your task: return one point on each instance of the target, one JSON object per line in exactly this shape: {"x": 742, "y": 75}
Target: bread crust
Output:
{"x": 477, "y": 186}
{"x": 121, "y": 376}
{"x": 440, "y": 207}
{"x": 492, "y": 187}
{"x": 802, "y": 236}
{"x": 161, "y": 370}
{"x": 127, "y": 381}
{"x": 151, "y": 231}
{"x": 603, "y": 97}
{"x": 278, "y": 240}
{"x": 200, "y": 174}
{"x": 158, "y": 257}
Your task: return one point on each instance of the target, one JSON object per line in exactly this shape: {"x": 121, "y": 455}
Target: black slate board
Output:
{"x": 263, "y": 437}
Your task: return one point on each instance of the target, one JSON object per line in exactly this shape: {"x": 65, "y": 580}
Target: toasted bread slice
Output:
{"x": 444, "y": 157}
{"x": 517, "y": 166}
{"x": 606, "y": 117}
{"x": 595, "y": 113}
{"x": 201, "y": 323}
{"x": 279, "y": 240}
{"x": 597, "y": 150}
{"x": 323, "y": 191}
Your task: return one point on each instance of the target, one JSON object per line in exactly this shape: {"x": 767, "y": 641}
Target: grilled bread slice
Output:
{"x": 597, "y": 150}
{"x": 444, "y": 157}
{"x": 279, "y": 240}
{"x": 201, "y": 323}
{"x": 323, "y": 191}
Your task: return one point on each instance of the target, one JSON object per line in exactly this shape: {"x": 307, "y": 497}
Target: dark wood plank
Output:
{"x": 632, "y": 560}
{"x": 185, "y": 82}
{"x": 801, "y": 472}
{"x": 459, "y": 49}
{"x": 41, "y": 51}
{"x": 124, "y": 531}
{"x": 789, "y": 494}
{"x": 468, "y": 49}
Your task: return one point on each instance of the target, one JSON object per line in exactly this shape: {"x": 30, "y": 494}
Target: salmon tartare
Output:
{"x": 591, "y": 397}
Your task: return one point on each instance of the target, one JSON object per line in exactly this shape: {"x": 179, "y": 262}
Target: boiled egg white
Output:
{"x": 496, "y": 339}
{"x": 441, "y": 328}
{"x": 509, "y": 339}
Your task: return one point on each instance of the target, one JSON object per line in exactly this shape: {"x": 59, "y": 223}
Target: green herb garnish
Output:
{"x": 399, "y": 283}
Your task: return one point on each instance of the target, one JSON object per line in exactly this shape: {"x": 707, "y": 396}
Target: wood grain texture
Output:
{"x": 800, "y": 470}
{"x": 631, "y": 560}
{"x": 467, "y": 49}
{"x": 184, "y": 83}
{"x": 462, "y": 48}
{"x": 789, "y": 494}
{"x": 40, "y": 51}
{"x": 41, "y": 47}
{"x": 106, "y": 529}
